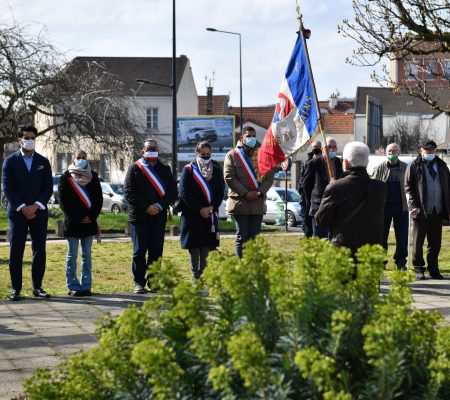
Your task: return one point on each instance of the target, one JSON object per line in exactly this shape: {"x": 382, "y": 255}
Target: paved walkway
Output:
{"x": 40, "y": 333}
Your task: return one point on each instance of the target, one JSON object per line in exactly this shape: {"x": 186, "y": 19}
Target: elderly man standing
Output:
{"x": 427, "y": 183}
{"x": 316, "y": 179}
{"x": 352, "y": 207}
{"x": 392, "y": 171}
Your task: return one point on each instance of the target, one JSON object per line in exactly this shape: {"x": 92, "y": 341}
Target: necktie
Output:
{"x": 430, "y": 166}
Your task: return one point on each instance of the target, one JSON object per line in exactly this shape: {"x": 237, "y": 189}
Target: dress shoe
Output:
{"x": 420, "y": 276}
{"x": 139, "y": 289}
{"x": 40, "y": 293}
{"x": 74, "y": 293}
{"x": 436, "y": 275}
{"x": 86, "y": 293}
{"x": 15, "y": 295}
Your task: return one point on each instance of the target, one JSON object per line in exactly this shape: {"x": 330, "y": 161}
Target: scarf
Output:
{"x": 81, "y": 175}
{"x": 206, "y": 168}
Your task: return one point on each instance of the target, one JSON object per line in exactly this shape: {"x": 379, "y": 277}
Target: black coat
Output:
{"x": 316, "y": 180}
{"x": 343, "y": 196}
{"x": 140, "y": 194}
{"x": 75, "y": 210}
{"x": 195, "y": 230}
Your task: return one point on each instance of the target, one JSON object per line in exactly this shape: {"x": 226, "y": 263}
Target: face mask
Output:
{"x": 428, "y": 157}
{"x": 392, "y": 157}
{"x": 203, "y": 160}
{"x": 81, "y": 163}
{"x": 29, "y": 144}
{"x": 332, "y": 154}
{"x": 316, "y": 151}
{"x": 250, "y": 142}
{"x": 152, "y": 155}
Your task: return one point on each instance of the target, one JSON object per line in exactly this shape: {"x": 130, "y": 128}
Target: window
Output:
{"x": 105, "y": 166}
{"x": 152, "y": 118}
{"x": 411, "y": 70}
{"x": 446, "y": 69}
{"x": 62, "y": 162}
{"x": 430, "y": 70}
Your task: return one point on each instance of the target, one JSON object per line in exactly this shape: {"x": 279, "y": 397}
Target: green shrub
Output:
{"x": 268, "y": 327}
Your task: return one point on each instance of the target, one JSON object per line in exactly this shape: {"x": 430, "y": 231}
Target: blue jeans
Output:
{"x": 85, "y": 282}
{"x": 394, "y": 212}
{"x": 247, "y": 227}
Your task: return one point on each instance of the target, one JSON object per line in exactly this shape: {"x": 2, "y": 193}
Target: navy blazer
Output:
{"x": 26, "y": 187}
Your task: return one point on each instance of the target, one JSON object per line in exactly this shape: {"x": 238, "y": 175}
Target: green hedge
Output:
{"x": 269, "y": 327}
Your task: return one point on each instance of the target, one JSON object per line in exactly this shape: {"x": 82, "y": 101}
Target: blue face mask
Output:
{"x": 332, "y": 154}
{"x": 428, "y": 157}
{"x": 81, "y": 163}
{"x": 250, "y": 142}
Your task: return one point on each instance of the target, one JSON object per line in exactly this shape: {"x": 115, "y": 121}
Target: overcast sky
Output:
{"x": 144, "y": 28}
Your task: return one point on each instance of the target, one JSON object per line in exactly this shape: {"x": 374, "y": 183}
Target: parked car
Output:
{"x": 113, "y": 197}
{"x": 277, "y": 195}
{"x": 196, "y": 134}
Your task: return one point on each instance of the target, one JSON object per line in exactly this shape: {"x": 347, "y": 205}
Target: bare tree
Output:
{"x": 72, "y": 100}
{"x": 411, "y": 30}
{"x": 408, "y": 134}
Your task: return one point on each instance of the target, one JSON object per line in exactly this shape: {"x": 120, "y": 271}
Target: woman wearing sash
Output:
{"x": 247, "y": 195}
{"x": 201, "y": 191}
{"x": 81, "y": 200}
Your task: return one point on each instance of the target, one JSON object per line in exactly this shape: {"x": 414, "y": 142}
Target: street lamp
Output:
{"x": 172, "y": 86}
{"x": 240, "y": 69}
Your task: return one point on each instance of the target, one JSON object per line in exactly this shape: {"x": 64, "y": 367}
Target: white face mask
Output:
{"x": 151, "y": 154}
{"x": 29, "y": 144}
{"x": 202, "y": 161}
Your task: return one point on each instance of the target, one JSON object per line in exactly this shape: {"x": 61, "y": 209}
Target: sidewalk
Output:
{"x": 40, "y": 333}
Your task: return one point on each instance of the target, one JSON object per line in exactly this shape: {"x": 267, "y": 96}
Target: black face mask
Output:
{"x": 316, "y": 151}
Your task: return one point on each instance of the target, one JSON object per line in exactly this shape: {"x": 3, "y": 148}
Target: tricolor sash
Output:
{"x": 154, "y": 179}
{"x": 201, "y": 181}
{"x": 207, "y": 192}
{"x": 79, "y": 191}
{"x": 248, "y": 168}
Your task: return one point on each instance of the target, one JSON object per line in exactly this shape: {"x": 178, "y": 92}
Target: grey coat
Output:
{"x": 382, "y": 174}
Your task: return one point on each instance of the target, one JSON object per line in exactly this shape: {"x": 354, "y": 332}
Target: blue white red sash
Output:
{"x": 79, "y": 191}
{"x": 201, "y": 181}
{"x": 154, "y": 179}
{"x": 248, "y": 168}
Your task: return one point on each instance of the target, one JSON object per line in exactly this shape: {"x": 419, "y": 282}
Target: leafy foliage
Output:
{"x": 269, "y": 326}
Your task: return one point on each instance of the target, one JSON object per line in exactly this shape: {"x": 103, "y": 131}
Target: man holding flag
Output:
{"x": 246, "y": 197}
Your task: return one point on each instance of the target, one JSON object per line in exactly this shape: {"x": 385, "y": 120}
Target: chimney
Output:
{"x": 333, "y": 101}
{"x": 209, "y": 100}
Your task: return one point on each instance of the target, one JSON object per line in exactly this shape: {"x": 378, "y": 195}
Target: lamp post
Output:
{"x": 240, "y": 70}
{"x": 172, "y": 86}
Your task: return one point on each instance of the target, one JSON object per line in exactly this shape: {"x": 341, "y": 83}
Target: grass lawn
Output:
{"x": 112, "y": 263}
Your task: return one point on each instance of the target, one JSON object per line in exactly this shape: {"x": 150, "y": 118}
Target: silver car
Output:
{"x": 275, "y": 206}
{"x": 113, "y": 197}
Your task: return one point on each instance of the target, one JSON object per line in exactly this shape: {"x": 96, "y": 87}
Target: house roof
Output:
{"x": 342, "y": 106}
{"x": 219, "y": 105}
{"x": 261, "y": 115}
{"x": 128, "y": 69}
{"x": 338, "y": 123}
{"x": 401, "y": 103}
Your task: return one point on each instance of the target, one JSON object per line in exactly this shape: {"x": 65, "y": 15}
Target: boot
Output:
{"x": 435, "y": 273}
{"x": 419, "y": 273}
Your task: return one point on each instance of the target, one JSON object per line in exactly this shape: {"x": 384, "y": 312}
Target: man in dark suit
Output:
{"x": 27, "y": 184}
{"x": 316, "y": 179}
{"x": 149, "y": 189}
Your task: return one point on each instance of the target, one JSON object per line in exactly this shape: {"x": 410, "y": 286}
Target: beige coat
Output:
{"x": 239, "y": 185}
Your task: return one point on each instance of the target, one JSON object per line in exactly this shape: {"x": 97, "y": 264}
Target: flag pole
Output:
{"x": 319, "y": 116}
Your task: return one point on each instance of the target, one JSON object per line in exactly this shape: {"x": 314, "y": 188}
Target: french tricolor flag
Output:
{"x": 296, "y": 117}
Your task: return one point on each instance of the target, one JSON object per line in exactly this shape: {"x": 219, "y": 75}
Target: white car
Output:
{"x": 113, "y": 197}
{"x": 276, "y": 200}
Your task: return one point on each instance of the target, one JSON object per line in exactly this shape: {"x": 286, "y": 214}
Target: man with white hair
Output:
{"x": 352, "y": 207}
{"x": 392, "y": 171}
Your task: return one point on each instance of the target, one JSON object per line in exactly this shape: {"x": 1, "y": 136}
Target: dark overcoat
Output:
{"x": 75, "y": 210}
{"x": 195, "y": 230}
